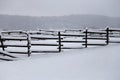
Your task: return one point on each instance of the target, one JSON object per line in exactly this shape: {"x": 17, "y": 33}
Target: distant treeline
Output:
{"x": 64, "y": 22}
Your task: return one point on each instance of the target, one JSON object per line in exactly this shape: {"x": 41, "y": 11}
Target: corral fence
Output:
{"x": 37, "y": 41}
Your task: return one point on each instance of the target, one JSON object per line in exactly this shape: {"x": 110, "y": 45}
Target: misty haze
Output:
{"x": 59, "y": 14}
{"x": 59, "y": 39}
{"x": 8, "y": 22}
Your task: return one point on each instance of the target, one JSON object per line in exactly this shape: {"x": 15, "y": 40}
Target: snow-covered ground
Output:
{"x": 100, "y": 63}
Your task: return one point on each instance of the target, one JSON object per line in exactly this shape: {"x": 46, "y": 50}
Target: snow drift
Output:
{"x": 100, "y": 63}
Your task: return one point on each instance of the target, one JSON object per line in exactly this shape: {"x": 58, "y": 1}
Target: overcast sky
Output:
{"x": 60, "y": 7}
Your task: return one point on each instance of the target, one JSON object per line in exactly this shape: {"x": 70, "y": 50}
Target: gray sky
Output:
{"x": 60, "y": 7}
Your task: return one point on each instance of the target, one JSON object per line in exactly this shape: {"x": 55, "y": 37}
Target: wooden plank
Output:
{"x": 9, "y": 32}
{"x": 73, "y": 35}
{"x": 15, "y": 52}
{"x": 73, "y": 41}
{"x": 13, "y": 39}
{"x": 15, "y": 46}
{"x": 41, "y": 33}
{"x": 93, "y": 32}
{"x": 29, "y": 44}
{"x": 5, "y": 59}
{"x": 115, "y": 30}
{"x": 2, "y": 45}
{"x": 114, "y": 41}
{"x": 45, "y": 44}
{"x": 72, "y": 47}
{"x": 3, "y": 53}
{"x": 107, "y": 36}
{"x": 45, "y": 51}
{"x": 94, "y": 38}
{"x": 59, "y": 40}
{"x": 86, "y": 38}
{"x": 34, "y": 33}
{"x": 44, "y": 38}
{"x": 114, "y": 36}
{"x": 95, "y": 44}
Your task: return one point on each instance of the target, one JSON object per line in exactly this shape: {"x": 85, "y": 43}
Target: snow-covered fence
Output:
{"x": 2, "y": 46}
{"x": 4, "y": 53}
{"x": 48, "y": 39}
{"x": 29, "y": 40}
{"x": 72, "y": 38}
{"x": 14, "y": 39}
{"x": 59, "y": 40}
{"x": 92, "y": 36}
{"x": 113, "y": 35}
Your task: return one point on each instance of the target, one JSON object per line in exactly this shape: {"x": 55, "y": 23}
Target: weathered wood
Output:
{"x": 44, "y": 38}
{"x": 45, "y": 51}
{"x": 86, "y": 36}
{"x": 114, "y": 41}
{"x": 9, "y": 32}
{"x": 42, "y": 33}
{"x": 95, "y": 44}
{"x": 14, "y": 46}
{"x": 114, "y": 30}
{"x": 72, "y": 47}
{"x": 59, "y": 39}
{"x": 5, "y": 59}
{"x": 73, "y": 41}
{"x": 3, "y": 53}
{"x": 29, "y": 44}
{"x": 15, "y": 52}
{"x": 95, "y": 38}
{"x": 114, "y": 36}
{"x": 93, "y": 32}
{"x": 32, "y": 33}
{"x": 107, "y": 36}
{"x": 44, "y": 44}
{"x": 73, "y": 35}
{"x": 2, "y": 45}
{"x": 13, "y": 39}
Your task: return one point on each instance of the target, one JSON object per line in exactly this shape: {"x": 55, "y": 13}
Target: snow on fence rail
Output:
{"x": 57, "y": 39}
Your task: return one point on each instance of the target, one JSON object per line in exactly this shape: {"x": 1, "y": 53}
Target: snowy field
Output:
{"x": 92, "y": 63}
{"x": 100, "y": 63}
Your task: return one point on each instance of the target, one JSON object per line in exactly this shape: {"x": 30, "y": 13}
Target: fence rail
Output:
{"x": 59, "y": 38}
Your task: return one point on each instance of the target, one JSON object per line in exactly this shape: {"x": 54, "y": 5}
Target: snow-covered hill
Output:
{"x": 100, "y": 63}
{"x": 62, "y": 22}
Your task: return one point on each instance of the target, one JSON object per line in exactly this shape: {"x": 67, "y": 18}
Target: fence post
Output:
{"x": 28, "y": 44}
{"x": 86, "y": 34}
{"x": 2, "y": 45}
{"x": 107, "y": 35}
{"x": 59, "y": 37}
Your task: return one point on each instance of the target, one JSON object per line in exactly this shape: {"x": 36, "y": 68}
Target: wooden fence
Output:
{"x": 58, "y": 36}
